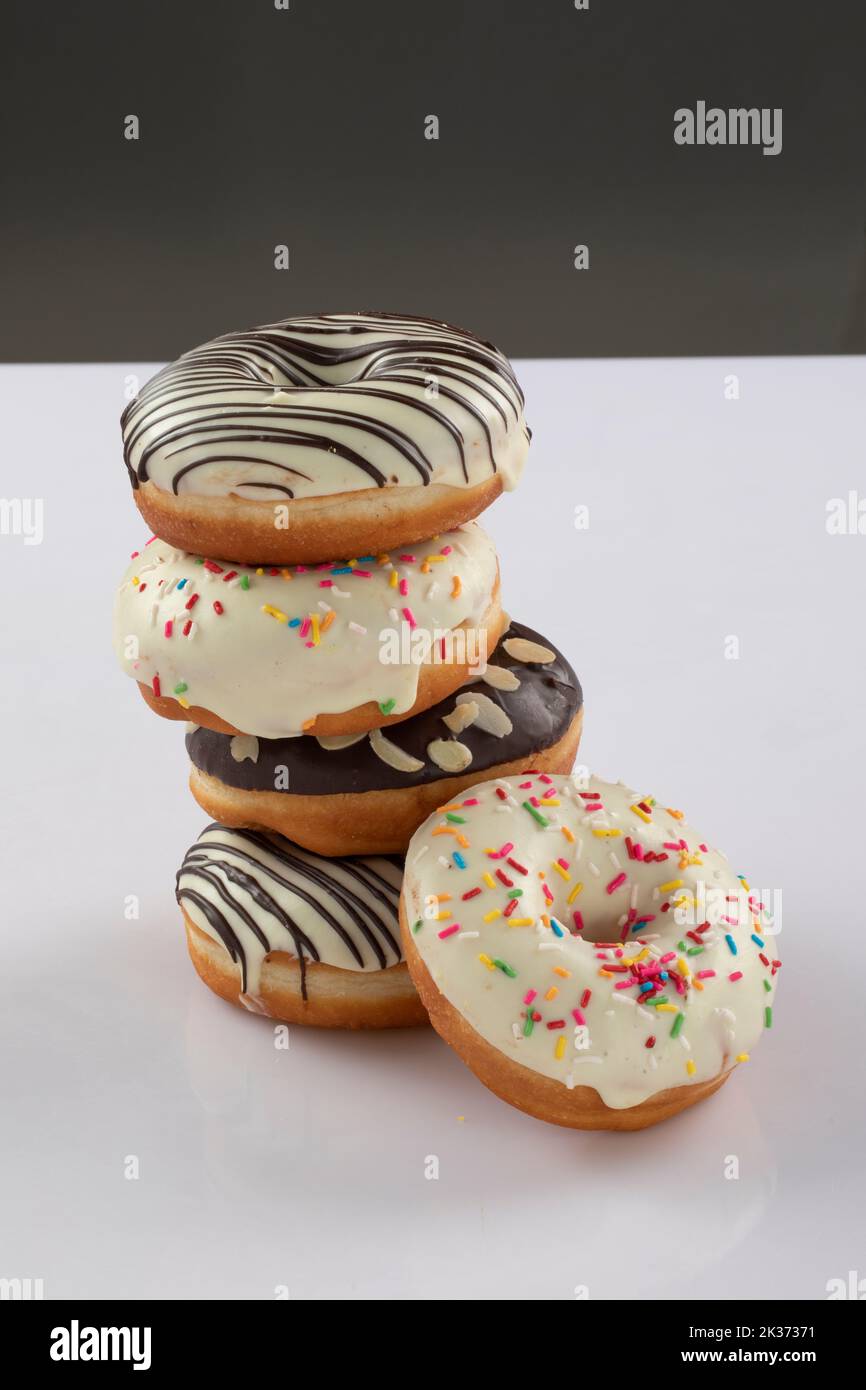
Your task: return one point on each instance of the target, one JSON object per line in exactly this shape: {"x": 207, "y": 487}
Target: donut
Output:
{"x": 291, "y": 935}
{"x": 334, "y": 434}
{"x": 585, "y": 952}
{"x": 368, "y": 793}
{"x": 334, "y": 649}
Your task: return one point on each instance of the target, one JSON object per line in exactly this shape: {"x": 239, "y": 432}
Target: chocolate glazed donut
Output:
{"x": 367, "y": 795}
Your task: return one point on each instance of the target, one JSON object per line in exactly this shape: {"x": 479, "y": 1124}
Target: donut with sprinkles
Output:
{"x": 337, "y": 648}
{"x": 584, "y": 950}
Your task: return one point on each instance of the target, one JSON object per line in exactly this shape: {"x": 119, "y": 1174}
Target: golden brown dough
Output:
{"x": 336, "y": 998}
{"x": 373, "y": 822}
{"x": 534, "y": 1094}
{"x": 347, "y": 523}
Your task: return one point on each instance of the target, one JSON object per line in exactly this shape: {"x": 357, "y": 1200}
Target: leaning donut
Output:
{"x": 368, "y": 793}
{"x": 326, "y": 435}
{"x": 336, "y": 649}
{"x": 585, "y": 951}
{"x": 285, "y": 933}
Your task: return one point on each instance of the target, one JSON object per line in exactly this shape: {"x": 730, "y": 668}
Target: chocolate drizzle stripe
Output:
{"x": 395, "y": 438}
{"x": 398, "y": 439}
{"x": 327, "y": 445}
{"x": 433, "y": 367}
{"x": 252, "y": 895}
{"x": 220, "y": 925}
{"x": 465, "y": 405}
{"x": 202, "y": 394}
{"x": 194, "y": 866}
{"x": 293, "y": 887}
{"x": 343, "y": 895}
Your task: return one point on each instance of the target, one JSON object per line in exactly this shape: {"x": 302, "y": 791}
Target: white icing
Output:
{"x": 722, "y": 1018}
{"x": 254, "y": 671}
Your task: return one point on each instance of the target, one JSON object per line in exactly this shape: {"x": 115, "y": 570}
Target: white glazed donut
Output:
{"x": 583, "y": 949}
{"x": 325, "y": 435}
{"x": 328, "y": 650}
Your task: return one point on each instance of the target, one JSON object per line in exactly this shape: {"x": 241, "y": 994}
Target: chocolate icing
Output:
{"x": 541, "y": 709}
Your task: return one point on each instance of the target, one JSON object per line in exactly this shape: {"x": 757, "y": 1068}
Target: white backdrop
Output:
{"x": 305, "y": 1169}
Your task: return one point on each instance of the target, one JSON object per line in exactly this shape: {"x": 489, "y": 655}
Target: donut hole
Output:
{"x": 605, "y": 931}
{"x": 617, "y": 922}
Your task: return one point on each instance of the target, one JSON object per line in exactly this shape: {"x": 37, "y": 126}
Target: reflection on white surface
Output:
{"x": 344, "y": 1122}
{"x": 306, "y": 1168}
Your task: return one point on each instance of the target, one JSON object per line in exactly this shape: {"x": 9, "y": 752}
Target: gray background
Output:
{"x": 261, "y": 127}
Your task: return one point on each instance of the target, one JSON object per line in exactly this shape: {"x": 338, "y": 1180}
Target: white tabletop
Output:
{"x": 305, "y": 1169}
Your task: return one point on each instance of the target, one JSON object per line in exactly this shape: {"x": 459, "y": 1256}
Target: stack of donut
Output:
{"x": 321, "y": 607}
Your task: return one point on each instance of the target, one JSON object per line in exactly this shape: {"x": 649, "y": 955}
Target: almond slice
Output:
{"x": 490, "y": 717}
{"x": 501, "y": 678}
{"x": 332, "y": 743}
{"x": 524, "y": 650}
{"x": 392, "y": 755}
{"x": 464, "y": 713}
{"x": 448, "y": 754}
